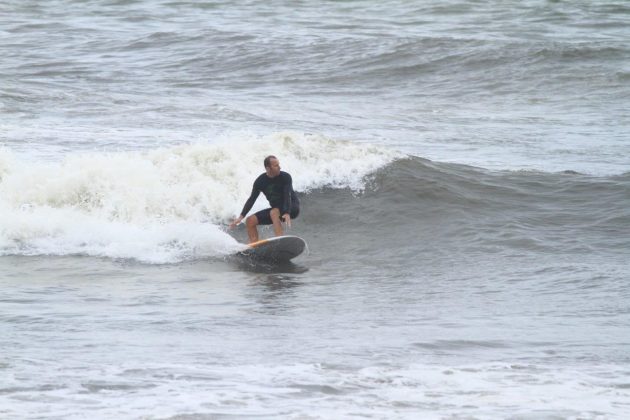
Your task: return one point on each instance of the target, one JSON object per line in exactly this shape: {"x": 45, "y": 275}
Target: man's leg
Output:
{"x": 252, "y": 230}
{"x": 277, "y": 223}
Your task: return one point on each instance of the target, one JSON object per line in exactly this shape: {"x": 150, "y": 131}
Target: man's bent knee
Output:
{"x": 274, "y": 214}
{"x": 251, "y": 220}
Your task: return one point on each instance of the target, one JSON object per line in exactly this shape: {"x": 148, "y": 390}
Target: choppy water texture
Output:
{"x": 463, "y": 173}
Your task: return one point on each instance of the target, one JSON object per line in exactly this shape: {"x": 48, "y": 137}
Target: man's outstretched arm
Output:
{"x": 247, "y": 207}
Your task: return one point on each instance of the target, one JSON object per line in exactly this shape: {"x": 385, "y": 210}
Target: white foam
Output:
{"x": 304, "y": 390}
{"x": 161, "y": 205}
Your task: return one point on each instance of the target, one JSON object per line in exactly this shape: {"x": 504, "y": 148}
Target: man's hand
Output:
{"x": 236, "y": 221}
{"x": 286, "y": 218}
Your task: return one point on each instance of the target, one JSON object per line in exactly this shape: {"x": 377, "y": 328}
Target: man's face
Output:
{"x": 274, "y": 168}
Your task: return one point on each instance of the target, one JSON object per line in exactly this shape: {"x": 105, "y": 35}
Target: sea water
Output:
{"x": 463, "y": 170}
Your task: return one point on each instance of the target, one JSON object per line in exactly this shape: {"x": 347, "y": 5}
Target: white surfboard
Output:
{"x": 277, "y": 249}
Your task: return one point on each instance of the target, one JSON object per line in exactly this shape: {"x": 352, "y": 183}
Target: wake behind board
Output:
{"x": 277, "y": 249}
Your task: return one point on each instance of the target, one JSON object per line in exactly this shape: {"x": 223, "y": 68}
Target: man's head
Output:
{"x": 272, "y": 166}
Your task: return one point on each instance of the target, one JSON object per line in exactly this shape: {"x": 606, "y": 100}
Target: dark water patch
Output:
{"x": 209, "y": 416}
{"x": 265, "y": 267}
{"x": 316, "y": 389}
{"x": 39, "y": 28}
{"x": 25, "y": 319}
{"x": 461, "y": 345}
{"x": 20, "y": 301}
{"x": 22, "y": 389}
{"x": 204, "y": 5}
{"x": 599, "y": 52}
{"x": 98, "y": 386}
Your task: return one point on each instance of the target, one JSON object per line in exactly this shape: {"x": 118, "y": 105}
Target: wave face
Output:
{"x": 417, "y": 207}
{"x": 162, "y": 205}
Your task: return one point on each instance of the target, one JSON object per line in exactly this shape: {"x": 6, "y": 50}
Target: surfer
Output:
{"x": 277, "y": 186}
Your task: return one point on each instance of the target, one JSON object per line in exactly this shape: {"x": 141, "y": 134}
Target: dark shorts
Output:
{"x": 264, "y": 216}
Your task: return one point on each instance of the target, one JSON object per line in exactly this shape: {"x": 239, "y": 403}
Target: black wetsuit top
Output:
{"x": 278, "y": 190}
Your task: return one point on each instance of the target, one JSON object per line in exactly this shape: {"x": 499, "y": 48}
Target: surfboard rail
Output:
{"x": 276, "y": 249}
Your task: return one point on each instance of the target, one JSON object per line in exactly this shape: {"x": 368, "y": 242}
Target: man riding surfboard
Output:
{"x": 277, "y": 186}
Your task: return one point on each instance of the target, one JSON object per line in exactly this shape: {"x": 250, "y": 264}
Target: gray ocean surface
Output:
{"x": 464, "y": 174}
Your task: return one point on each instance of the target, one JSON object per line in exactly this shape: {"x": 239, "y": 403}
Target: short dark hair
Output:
{"x": 267, "y": 161}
